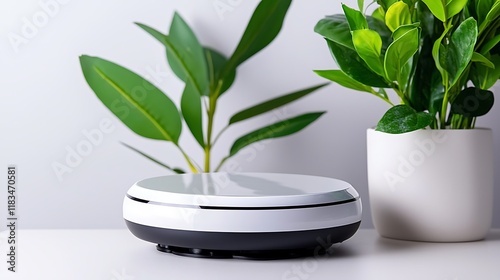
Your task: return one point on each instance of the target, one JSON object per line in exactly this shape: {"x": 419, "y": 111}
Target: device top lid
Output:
{"x": 243, "y": 190}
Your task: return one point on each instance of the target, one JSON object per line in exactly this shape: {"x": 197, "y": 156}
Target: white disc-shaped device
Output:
{"x": 242, "y": 214}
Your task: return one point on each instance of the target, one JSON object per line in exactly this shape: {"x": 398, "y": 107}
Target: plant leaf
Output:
{"x": 473, "y": 102}
{"x": 335, "y": 28}
{"x": 191, "y": 109}
{"x": 379, "y": 14}
{"x": 460, "y": 49}
{"x": 399, "y": 53}
{"x": 272, "y": 104}
{"x": 454, "y": 7}
{"x": 492, "y": 15}
{"x": 264, "y": 26}
{"x": 184, "y": 53}
{"x": 279, "y": 129}
{"x": 342, "y": 79}
{"x": 216, "y": 62}
{"x": 402, "y": 118}
{"x": 361, "y": 4}
{"x": 437, "y": 9}
{"x": 477, "y": 57}
{"x": 368, "y": 44}
{"x": 398, "y": 14}
{"x": 490, "y": 44}
{"x": 484, "y": 77}
{"x": 386, "y": 3}
{"x": 355, "y": 18}
{"x": 483, "y": 7}
{"x": 136, "y": 102}
{"x": 353, "y": 66}
{"x": 176, "y": 170}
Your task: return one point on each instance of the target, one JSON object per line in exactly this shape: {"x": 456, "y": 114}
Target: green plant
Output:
{"x": 439, "y": 56}
{"x": 207, "y": 75}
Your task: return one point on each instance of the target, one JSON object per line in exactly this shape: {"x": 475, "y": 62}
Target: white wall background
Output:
{"x": 46, "y": 104}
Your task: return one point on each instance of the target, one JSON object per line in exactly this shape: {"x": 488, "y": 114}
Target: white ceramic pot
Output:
{"x": 431, "y": 185}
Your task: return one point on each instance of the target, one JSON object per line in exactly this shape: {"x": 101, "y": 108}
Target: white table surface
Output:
{"x": 118, "y": 255}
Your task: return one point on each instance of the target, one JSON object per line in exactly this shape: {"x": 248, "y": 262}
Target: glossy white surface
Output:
{"x": 431, "y": 185}
{"x": 243, "y": 190}
{"x": 197, "y": 219}
{"x": 117, "y": 255}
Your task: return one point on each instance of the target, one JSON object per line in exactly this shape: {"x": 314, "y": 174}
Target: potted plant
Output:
{"x": 430, "y": 171}
{"x": 207, "y": 74}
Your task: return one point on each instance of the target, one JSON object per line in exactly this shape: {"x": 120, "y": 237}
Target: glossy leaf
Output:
{"x": 264, "y": 26}
{"x": 483, "y": 7}
{"x": 361, "y": 4}
{"x": 473, "y": 102}
{"x": 280, "y": 129}
{"x": 342, "y": 79}
{"x": 215, "y": 63}
{"x": 453, "y": 7}
{"x": 136, "y": 102}
{"x": 437, "y": 8}
{"x": 460, "y": 49}
{"x": 477, "y": 57}
{"x": 355, "y": 18}
{"x": 176, "y": 170}
{"x": 272, "y": 104}
{"x": 188, "y": 64}
{"x": 484, "y": 77}
{"x": 384, "y": 32}
{"x": 399, "y": 53}
{"x": 436, "y": 53}
{"x": 402, "y": 118}
{"x": 398, "y": 14}
{"x": 401, "y": 30}
{"x": 493, "y": 42}
{"x": 368, "y": 45}
{"x": 191, "y": 109}
{"x": 386, "y": 3}
{"x": 492, "y": 15}
{"x": 336, "y": 29}
{"x": 379, "y": 14}
{"x": 353, "y": 66}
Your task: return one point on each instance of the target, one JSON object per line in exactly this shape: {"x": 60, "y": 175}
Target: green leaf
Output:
{"x": 368, "y": 44}
{"x": 384, "y": 32}
{"x": 483, "y": 7}
{"x": 136, "y": 102}
{"x": 473, "y": 102}
{"x": 361, "y": 3}
{"x": 379, "y": 14}
{"x": 403, "y": 29}
{"x": 191, "y": 109}
{"x": 484, "y": 77}
{"x": 279, "y": 129}
{"x": 215, "y": 63}
{"x": 176, "y": 170}
{"x": 493, "y": 42}
{"x": 272, "y": 104}
{"x": 184, "y": 54}
{"x": 454, "y": 7}
{"x": 492, "y": 15}
{"x": 399, "y": 53}
{"x": 402, "y": 118}
{"x": 477, "y": 57}
{"x": 386, "y": 3}
{"x": 355, "y": 18}
{"x": 460, "y": 49}
{"x": 436, "y": 53}
{"x": 264, "y": 26}
{"x": 354, "y": 66}
{"x": 342, "y": 79}
{"x": 437, "y": 9}
{"x": 398, "y": 14}
{"x": 335, "y": 28}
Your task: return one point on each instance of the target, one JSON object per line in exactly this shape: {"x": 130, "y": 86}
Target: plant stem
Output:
{"x": 221, "y": 163}
{"x": 212, "y": 105}
{"x": 192, "y": 166}
{"x": 219, "y": 134}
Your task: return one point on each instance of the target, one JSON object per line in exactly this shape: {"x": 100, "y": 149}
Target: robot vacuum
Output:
{"x": 242, "y": 215}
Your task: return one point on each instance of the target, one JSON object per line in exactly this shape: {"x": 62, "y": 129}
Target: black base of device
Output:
{"x": 254, "y": 245}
